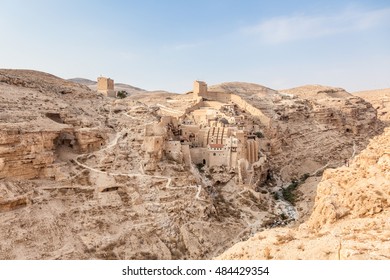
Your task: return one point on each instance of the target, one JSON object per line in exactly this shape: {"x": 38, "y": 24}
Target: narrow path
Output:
{"x": 170, "y": 109}
{"x": 112, "y": 144}
{"x": 319, "y": 169}
{"x": 354, "y": 150}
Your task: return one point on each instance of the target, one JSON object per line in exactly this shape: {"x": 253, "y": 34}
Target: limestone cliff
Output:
{"x": 350, "y": 217}
{"x": 39, "y": 114}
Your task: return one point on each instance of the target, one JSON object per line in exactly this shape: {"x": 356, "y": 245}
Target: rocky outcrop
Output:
{"x": 350, "y": 217}
{"x": 312, "y": 133}
{"x": 380, "y": 100}
{"x": 357, "y": 191}
{"x": 26, "y": 154}
{"x": 39, "y": 113}
{"x": 89, "y": 139}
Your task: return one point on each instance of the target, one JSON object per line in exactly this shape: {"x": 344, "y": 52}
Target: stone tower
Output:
{"x": 106, "y": 86}
{"x": 200, "y": 88}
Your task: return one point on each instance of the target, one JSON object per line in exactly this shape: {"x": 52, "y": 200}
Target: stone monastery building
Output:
{"x": 210, "y": 133}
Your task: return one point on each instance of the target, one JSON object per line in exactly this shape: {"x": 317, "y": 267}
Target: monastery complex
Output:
{"x": 212, "y": 132}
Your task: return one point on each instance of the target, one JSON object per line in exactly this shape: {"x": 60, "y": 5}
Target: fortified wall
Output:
{"x": 201, "y": 92}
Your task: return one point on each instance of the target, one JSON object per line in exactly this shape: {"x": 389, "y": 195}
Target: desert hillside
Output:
{"x": 85, "y": 176}
{"x": 118, "y": 86}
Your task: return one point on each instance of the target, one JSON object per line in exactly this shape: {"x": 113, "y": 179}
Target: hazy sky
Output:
{"x": 167, "y": 44}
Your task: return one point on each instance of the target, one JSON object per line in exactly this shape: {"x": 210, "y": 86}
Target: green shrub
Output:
{"x": 259, "y": 134}
{"x": 289, "y": 194}
{"x": 121, "y": 94}
{"x": 304, "y": 177}
{"x": 199, "y": 166}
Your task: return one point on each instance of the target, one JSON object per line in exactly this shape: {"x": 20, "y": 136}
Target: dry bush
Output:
{"x": 267, "y": 253}
{"x": 282, "y": 239}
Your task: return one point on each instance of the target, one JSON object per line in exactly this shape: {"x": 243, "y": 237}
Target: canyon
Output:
{"x": 79, "y": 181}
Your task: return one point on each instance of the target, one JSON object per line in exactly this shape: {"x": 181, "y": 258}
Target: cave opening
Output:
{"x": 55, "y": 117}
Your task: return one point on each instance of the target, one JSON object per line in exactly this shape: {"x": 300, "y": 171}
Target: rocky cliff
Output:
{"x": 40, "y": 113}
{"x": 349, "y": 220}
{"x": 380, "y": 100}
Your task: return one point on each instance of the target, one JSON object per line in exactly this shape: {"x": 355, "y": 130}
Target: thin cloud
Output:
{"x": 284, "y": 29}
{"x": 185, "y": 46}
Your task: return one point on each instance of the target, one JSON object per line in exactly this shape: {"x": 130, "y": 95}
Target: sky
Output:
{"x": 166, "y": 45}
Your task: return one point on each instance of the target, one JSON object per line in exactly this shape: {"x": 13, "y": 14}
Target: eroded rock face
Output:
{"x": 357, "y": 191}
{"x": 320, "y": 131}
{"x": 350, "y": 217}
{"x": 380, "y": 100}
{"x": 26, "y": 155}
{"x": 39, "y": 114}
{"x": 89, "y": 140}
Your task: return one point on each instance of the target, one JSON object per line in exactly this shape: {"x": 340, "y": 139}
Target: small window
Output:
{"x": 214, "y": 154}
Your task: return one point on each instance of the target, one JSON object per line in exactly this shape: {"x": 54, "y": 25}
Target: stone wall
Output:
{"x": 227, "y": 98}
{"x": 186, "y": 155}
{"x": 173, "y": 150}
{"x": 218, "y": 158}
{"x": 244, "y": 105}
{"x": 153, "y": 144}
{"x": 198, "y": 155}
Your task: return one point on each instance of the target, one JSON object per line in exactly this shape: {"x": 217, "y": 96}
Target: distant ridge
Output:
{"x": 83, "y": 81}
{"x": 118, "y": 86}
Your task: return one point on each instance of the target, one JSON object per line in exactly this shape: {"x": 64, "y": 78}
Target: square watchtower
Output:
{"x": 106, "y": 86}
